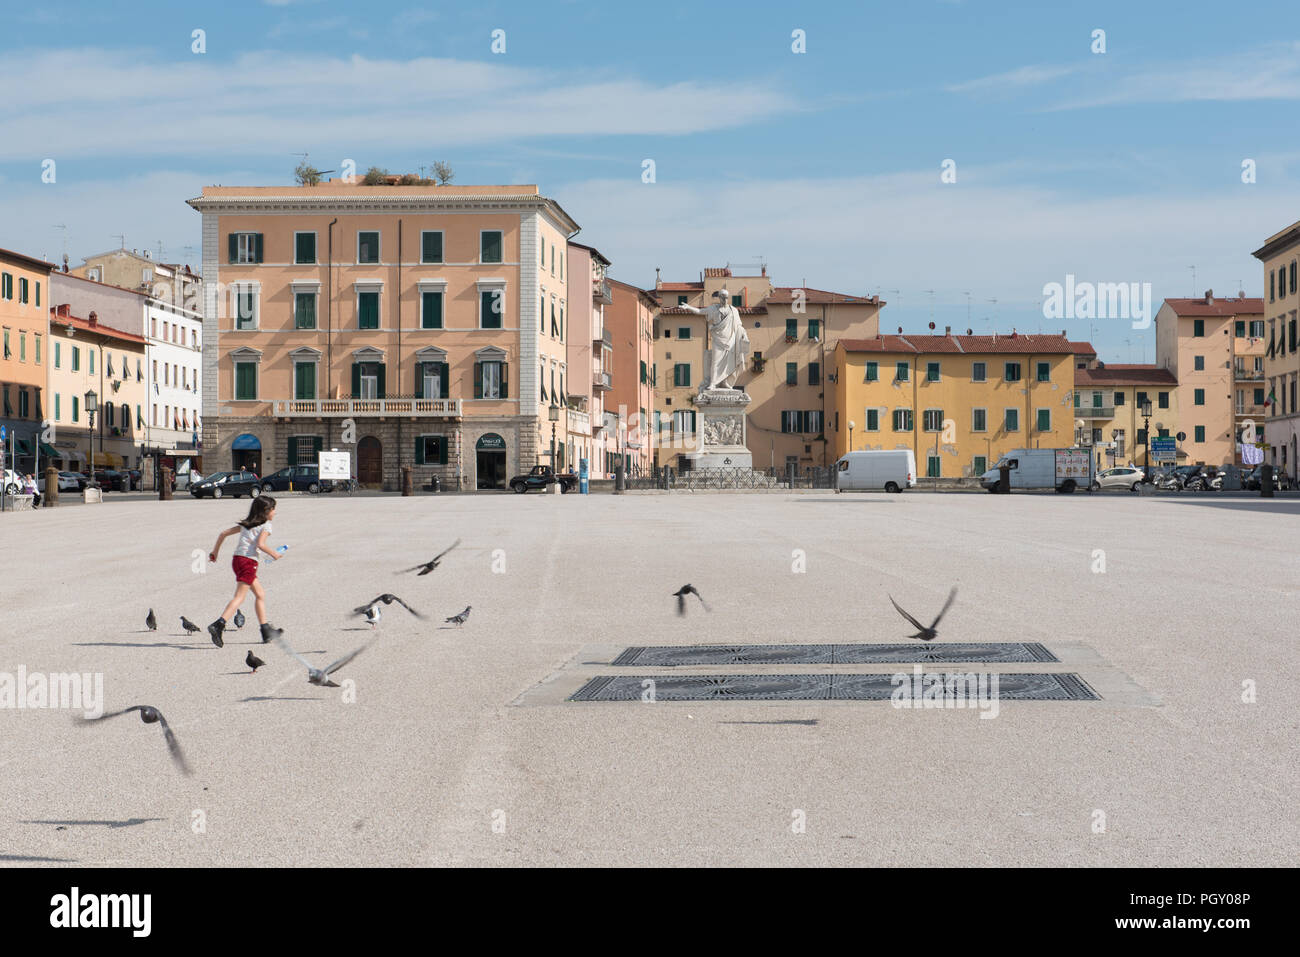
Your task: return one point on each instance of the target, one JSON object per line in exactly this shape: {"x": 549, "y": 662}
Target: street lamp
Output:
{"x": 851, "y": 424}
{"x": 553, "y": 413}
{"x": 92, "y": 406}
{"x": 1146, "y": 414}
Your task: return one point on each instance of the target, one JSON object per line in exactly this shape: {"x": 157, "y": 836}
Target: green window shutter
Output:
{"x": 792, "y": 327}
{"x": 432, "y": 318}
{"x": 419, "y": 450}
{"x": 442, "y": 450}
{"x": 233, "y": 244}
{"x": 292, "y": 458}
{"x": 419, "y": 381}
{"x": 792, "y": 373}
{"x": 356, "y": 380}
{"x": 478, "y": 380}
{"x": 257, "y": 247}
{"x": 431, "y": 251}
{"x": 488, "y": 306}
{"x": 490, "y": 251}
{"x": 383, "y": 394}
{"x": 505, "y": 380}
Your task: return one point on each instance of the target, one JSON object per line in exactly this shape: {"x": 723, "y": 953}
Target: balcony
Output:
{"x": 1252, "y": 409}
{"x": 1248, "y": 375}
{"x": 600, "y": 381}
{"x": 1094, "y": 412}
{"x": 579, "y": 422}
{"x": 601, "y": 291}
{"x": 345, "y": 408}
{"x": 605, "y": 339}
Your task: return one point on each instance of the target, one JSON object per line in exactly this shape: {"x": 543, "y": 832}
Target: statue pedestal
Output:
{"x": 723, "y": 430}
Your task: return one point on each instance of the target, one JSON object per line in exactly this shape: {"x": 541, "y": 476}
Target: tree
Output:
{"x": 306, "y": 175}
{"x": 443, "y": 172}
{"x": 375, "y": 177}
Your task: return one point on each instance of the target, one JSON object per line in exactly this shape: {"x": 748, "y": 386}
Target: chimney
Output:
{"x": 65, "y": 262}
{"x": 93, "y": 318}
{"x": 62, "y": 309}
{"x": 1064, "y": 334}
{"x": 1209, "y": 297}
{"x": 764, "y": 270}
{"x": 947, "y": 330}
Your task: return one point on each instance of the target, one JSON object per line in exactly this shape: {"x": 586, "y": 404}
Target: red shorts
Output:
{"x": 245, "y": 569}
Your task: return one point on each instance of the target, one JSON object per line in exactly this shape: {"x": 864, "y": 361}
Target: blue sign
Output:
{"x": 1163, "y": 449}
{"x": 584, "y": 484}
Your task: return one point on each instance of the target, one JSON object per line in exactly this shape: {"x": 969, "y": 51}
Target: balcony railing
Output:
{"x": 601, "y": 382}
{"x": 343, "y": 408}
{"x": 601, "y": 291}
{"x": 1251, "y": 409}
{"x": 1249, "y": 374}
{"x": 606, "y": 338}
{"x": 580, "y": 422}
{"x": 1094, "y": 411}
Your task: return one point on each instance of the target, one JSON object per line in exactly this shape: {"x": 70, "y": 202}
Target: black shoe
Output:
{"x": 269, "y": 631}
{"x": 215, "y": 629}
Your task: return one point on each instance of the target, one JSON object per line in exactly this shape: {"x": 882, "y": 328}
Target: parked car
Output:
{"x": 68, "y": 482}
{"x": 228, "y": 484}
{"x": 303, "y": 478}
{"x": 13, "y": 482}
{"x": 110, "y": 480}
{"x": 1123, "y": 476}
{"x": 542, "y": 476}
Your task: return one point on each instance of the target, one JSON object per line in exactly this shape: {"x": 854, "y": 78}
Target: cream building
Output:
{"x": 1279, "y": 255}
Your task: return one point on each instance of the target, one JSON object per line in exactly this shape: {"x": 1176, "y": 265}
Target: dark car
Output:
{"x": 542, "y": 476}
{"x": 137, "y": 480}
{"x": 109, "y": 480}
{"x": 303, "y": 478}
{"x": 228, "y": 485}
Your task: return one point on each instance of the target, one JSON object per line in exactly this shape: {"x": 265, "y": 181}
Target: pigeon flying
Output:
{"x": 387, "y": 600}
{"x": 318, "y": 676}
{"x": 926, "y": 634}
{"x": 432, "y": 563}
{"x": 460, "y": 619}
{"x": 253, "y": 661}
{"x": 188, "y": 625}
{"x": 150, "y": 621}
{"x": 681, "y": 594}
{"x": 239, "y": 618}
{"x": 151, "y": 715}
{"x": 373, "y": 614}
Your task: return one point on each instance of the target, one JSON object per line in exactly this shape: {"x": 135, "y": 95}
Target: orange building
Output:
{"x": 24, "y": 299}
{"x": 629, "y": 320}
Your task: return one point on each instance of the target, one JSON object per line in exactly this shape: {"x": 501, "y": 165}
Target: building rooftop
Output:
{"x": 23, "y": 258}
{"x": 1279, "y": 241}
{"x": 782, "y": 295}
{"x": 1212, "y": 305}
{"x": 62, "y": 315}
{"x": 1124, "y": 374}
{"x": 1083, "y": 348}
{"x": 1016, "y": 343}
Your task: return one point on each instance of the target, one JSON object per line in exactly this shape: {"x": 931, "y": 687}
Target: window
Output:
{"x": 1198, "y": 328}
{"x": 814, "y": 373}
{"x": 22, "y": 289}
{"x": 368, "y": 380}
{"x": 933, "y": 467}
{"x": 1044, "y": 372}
{"x": 902, "y": 372}
{"x": 22, "y": 347}
{"x": 643, "y": 372}
{"x": 367, "y": 246}
{"x": 555, "y": 329}
{"x": 1198, "y": 397}
{"x": 737, "y": 301}
{"x": 1198, "y": 363}
{"x": 1044, "y": 420}
{"x": 903, "y": 420}
{"x": 682, "y": 374}
{"x": 684, "y": 332}
{"x": 58, "y": 355}
{"x": 1239, "y": 329}
{"x": 431, "y": 246}
{"x": 1259, "y": 397}
{"x": 1119, "y": 399}
{"x": 367, "y": 310}
{"x": 304, "y": 310}
{"x": 430, "y": 450}
{"x": 932, "y": 420}
{"x": 245, "y": 306}
{"x": 792, "y": 328}
{"x": 980, "y": 465}
{"x": 979, "y": 372}
{"x": 792, "y": 373}
{"x": 872, "y": 420}
{"x": 684, "y": 422}
{"x": 304, "y": 249}
{"x": 76, "y": 358}
{"x": 814, "y": 329}
{"x": 1162, "y": 400}
{"x": 58, "y": 407}
{"x": 243, "y": 248}
{"x": 431, "y": 309}
{"x": 76, "y": 408}
{"x": 490, "y": 381}
{"x": 1200, "y": 433}
{"x": 1011, "y": 372}
{"x": 245, "y": 381}
{"x": 1011, "y": 420}
{"x": 492, "y": 307}
{"x": 1291, "y": 339}
{"x": 932, "y": 372}
{"x": 304, "y": 380}
{"x": 873, "y": 372}
{"x": 490, "y": 247}
{"x": 38, "y": 348}
{"x": 979, "y": 420}
{"x": 6, "y": 286}
{"x": 1257, "y": 328}
{"x": 681, "y": 300}
{"x": 90, "y": 353}
{"x": 1139, "y": 399}
{"x": 22, "y": 406}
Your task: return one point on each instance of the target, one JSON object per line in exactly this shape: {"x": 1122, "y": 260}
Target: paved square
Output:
{"x": 460, "y": 747}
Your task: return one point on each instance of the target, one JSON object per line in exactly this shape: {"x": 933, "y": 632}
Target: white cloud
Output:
{"x": 1014, "y": 80}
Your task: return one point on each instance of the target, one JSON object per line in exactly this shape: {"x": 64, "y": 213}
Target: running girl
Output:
{"x": 253, "y": 533}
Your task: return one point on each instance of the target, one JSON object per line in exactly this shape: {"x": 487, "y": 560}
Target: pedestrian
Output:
{"x": 32, "y": 490}
{"x": 253, "y": 533}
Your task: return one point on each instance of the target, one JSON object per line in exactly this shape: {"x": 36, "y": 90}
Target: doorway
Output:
{"x": 490, "y": 461}
{"x": 370, "y": 461}
{"x": 246, "y": 452}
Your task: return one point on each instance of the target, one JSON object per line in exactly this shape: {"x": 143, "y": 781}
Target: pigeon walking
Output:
{"x": 387, "y": 599}
{"x": 319, "y": 676}
{"x": 432, "y": 563}
{"x": 926, "y": 633}
{"x": 681, "y": 594}
{"x": 188, "y": 625}
{"x": 253, "y": 661}
{"x": 373, "y": 614}
{"x": 239, "y": 618}
{"x": 150, "y": 621}
{"x": 151, "y": 715}
{"x": 460, "y": 619}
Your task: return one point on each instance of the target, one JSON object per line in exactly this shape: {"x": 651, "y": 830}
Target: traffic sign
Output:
{"x": 1163, "y": 449}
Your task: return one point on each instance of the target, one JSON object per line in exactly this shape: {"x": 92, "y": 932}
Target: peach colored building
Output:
{"x": 24, "y": 373}
{"x": 1211, "y": 345}
{"x": 589, "y": 359}
{"x": 1279, "y": 256}
{"x": 629, "y": 321}
{"x": 405, "y": 324}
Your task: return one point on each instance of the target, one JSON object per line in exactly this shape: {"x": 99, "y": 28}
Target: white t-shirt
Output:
{"x": 248, "y": 539}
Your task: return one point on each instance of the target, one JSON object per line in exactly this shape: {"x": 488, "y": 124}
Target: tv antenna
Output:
{"x": 63, "y": 226}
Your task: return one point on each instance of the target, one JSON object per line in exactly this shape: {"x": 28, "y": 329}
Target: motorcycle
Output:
{"x": 1169, "y": 482}
{"x": 1200, "y": 482}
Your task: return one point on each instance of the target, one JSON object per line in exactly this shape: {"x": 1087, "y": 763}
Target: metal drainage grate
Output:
{"x": 669, "y": 656}
{"x": 875, "y": 687}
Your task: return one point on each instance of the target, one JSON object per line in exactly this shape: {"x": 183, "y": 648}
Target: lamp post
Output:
{"x": 851, "y": 425}
{"x": 1146, "y": 414}
{"x": 553, "y": 413}
{"x": 92, "y": 406}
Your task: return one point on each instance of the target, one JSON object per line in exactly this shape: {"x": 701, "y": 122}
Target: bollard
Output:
{"x": 789, "y": 475}
{"x": 1266, "y": 482}
{"x": 406, "y": 480}
{"x": 620, "y": 479}
{"x": 1004, "y": 480}
{"x": 165, "y": 484}
{"x": 51, "y": 497}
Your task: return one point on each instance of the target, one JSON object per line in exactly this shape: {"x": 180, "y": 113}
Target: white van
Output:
{"x": 891, "y": 470}
{"x": 1062, "y": 469}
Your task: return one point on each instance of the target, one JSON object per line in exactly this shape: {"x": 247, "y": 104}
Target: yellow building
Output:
{"x": 1107, "y": 411}
{"x": 1280, "y": 257}
{"x": 958, "y": 402}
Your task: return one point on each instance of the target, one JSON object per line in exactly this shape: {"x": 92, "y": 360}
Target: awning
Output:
{"x": 49, "y": 452}
{"x": 23, "y": 446}
{"x": 246, "y": 442}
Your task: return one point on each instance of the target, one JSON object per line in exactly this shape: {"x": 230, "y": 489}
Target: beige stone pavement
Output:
{"x": 451, "y": 755}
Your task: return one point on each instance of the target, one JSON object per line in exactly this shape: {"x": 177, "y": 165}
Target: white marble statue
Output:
{"x": 729, "y": 343}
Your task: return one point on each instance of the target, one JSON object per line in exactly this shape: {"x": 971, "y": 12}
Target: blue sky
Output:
{"x": 1115, "y": 167}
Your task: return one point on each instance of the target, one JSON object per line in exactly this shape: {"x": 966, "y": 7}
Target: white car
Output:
{"x": 68, "y": 482}
{"x": 14, "y": 483}
{"x": 1123, "y": 477}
